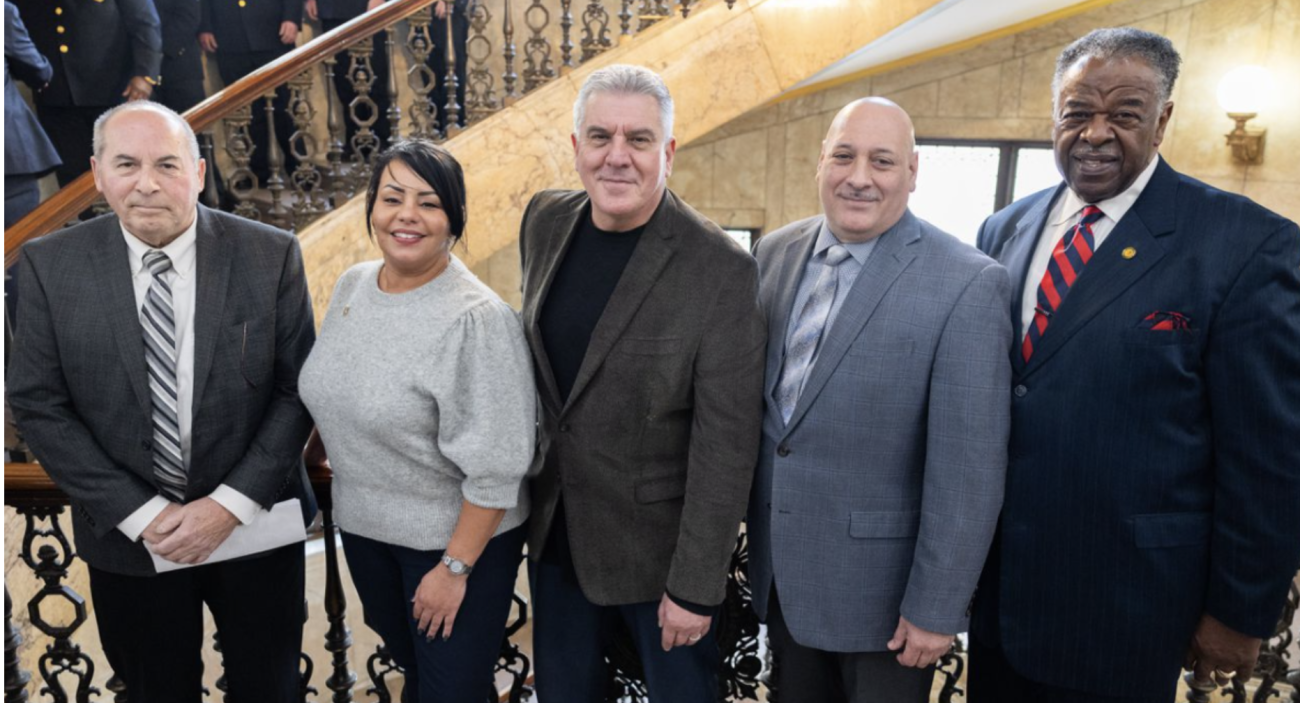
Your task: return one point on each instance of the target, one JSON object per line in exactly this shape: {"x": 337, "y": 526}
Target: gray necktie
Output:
{"x": 802, "y": 344}
{"x": 159, "y": 324}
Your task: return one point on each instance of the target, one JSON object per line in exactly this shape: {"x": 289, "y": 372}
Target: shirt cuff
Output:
{"x": 135, "y": 523}
{"x": 241, "y": 506}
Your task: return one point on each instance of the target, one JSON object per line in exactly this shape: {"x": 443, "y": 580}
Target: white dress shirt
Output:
{"x": 182, "y": 252}
{"x": 1063, "y": 217}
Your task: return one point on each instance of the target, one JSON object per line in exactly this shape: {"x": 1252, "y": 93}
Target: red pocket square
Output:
{"x": 1164, "y": 321}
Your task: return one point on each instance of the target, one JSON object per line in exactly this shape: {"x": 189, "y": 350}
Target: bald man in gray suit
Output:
{"x": 884, "y": 438}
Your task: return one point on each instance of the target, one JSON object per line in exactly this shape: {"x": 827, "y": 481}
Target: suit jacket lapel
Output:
{"x": 113, "y": 269}
{"x": 648, "y": 260}
{"x": 212, "y": 268}
{"x": 563, "y": 224}
{"x": 890, "y": 258}
{"x": 1109, "y": 273}
{"x": 793, "y": 258}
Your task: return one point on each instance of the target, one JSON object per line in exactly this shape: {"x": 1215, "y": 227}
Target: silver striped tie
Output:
{"x": 159, "y": 324}
{"x": 808, "y": 332}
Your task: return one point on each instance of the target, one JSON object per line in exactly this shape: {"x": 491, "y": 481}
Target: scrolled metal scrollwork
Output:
{"x": 742, "y": 671}
{"x": 595, "y": 30}
{"x": 241, "y": 182}
{"x": 480, "y": 95}
{"x": 420, "y": 77}
{"x": 379, "y": 666}
{"x": 307, "y": 180}
{"x": 950, "y": 666}
{"x": 363, "y": 111}
{"x": 50, "y": 560}
{"x": 512, "y": 661}
{"x": 537, "y": 50}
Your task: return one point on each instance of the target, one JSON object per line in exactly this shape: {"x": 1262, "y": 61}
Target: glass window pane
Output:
{"x": 1035, "y": 170}
{"x": 956, "y": 187}
{"x": 743, "y": 237}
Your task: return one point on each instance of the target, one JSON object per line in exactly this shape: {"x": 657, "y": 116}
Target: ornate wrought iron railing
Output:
{"x": 334, "y": 145}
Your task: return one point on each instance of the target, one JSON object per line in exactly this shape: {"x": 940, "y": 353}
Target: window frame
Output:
{"x": 1007, "y": 150}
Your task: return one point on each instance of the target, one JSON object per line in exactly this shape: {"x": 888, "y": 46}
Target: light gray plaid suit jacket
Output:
{"x": 880, "y": 496}
{"x": 77, "y": 380}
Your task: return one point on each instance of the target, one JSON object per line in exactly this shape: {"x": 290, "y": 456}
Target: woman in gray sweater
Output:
{"x": 422, "y": 392}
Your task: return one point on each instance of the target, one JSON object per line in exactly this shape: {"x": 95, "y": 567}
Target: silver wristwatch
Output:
{"x": 456, "y": 566}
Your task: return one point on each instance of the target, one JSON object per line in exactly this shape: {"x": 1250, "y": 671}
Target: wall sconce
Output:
{"x": 1243, "y": 92}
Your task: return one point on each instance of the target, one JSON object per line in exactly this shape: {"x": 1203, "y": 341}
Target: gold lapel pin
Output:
{"x": 1129, "y": 252}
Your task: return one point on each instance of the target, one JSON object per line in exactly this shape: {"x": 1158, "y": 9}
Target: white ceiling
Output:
{"x": 948, "y": 22}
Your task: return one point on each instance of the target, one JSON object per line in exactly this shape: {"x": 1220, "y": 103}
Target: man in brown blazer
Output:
{"x": 648, "y": 341}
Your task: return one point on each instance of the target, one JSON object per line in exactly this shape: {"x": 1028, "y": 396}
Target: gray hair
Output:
{"x": 1123, "y": 43}
{"x": 136, "y": 105}
{"x": 628, "y": 80}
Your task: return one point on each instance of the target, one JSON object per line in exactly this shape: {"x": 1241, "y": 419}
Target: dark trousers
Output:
{"x": 235, "y": 65}
{"x": 379, "y": 65}
{"x": 152, "y": 627}
{"x": 803, "y": 673}
{"x": 22, "y": 195}
{"x": 182, "y": 80}
{"x": 71, "y": 130}
{"x": 570, "y": 634}
{"x": 991, "y": 679}
{"x": 454, "y": 670}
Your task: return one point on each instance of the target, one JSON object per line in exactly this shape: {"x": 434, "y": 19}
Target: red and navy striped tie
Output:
{"x": 1069, "y": 257}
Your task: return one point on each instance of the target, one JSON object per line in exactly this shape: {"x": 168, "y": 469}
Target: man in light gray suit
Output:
{"x": 884, "y": 439}
{"x": 154, "y": 375}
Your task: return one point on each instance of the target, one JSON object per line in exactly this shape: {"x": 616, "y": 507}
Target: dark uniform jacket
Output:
{"x": 102, "y": 45}
{"x": 29, "y": 152}
{"x": 243, "y": 26}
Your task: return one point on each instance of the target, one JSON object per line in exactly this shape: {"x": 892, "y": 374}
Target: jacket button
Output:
{"x": 564, "y": 427}
{"x": 1020, "y": 391}
{"x": 783, "y": 450}
{"x": 148, "y": 446}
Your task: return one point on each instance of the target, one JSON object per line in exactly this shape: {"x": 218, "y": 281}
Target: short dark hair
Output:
{"x": 435, "y": 166}
{"x": 1122, "y": 43}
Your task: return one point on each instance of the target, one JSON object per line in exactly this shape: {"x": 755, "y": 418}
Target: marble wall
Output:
{"x": 758, "y": 171}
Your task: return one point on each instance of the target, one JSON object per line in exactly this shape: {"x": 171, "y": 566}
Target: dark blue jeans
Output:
{"x": 570, "y": 633}
{"x": 455, "y": 670}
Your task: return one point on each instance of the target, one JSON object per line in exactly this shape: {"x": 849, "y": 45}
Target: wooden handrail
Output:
{"x": 27, "y": 484}
{"x": 64, "y": 205}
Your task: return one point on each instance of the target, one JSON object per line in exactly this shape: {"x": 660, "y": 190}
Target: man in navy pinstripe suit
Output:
{"x": 1152, "y": 515}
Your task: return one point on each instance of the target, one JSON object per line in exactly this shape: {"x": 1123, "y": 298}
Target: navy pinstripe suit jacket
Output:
{"x": 1154, "y": 474}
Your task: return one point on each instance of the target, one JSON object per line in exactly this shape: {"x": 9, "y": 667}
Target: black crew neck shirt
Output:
{"x": 579, "y": 292}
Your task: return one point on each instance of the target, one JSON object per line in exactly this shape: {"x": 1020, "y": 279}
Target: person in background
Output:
{"x": 102, "y": 52}
{"x": 181, "y": 86}
{"x": 246, "y": 35}
{"x": 423, "y": 397}
{"x": 29, "y": 154}
{"x": 333, "y": 14}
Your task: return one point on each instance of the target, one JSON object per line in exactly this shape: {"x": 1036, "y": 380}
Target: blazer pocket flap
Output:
{"x": 654, "y": 490}
{"x": 1171, "y": 530}
{"x": 892, "y": 525}
{"x": 649, "y": 346}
